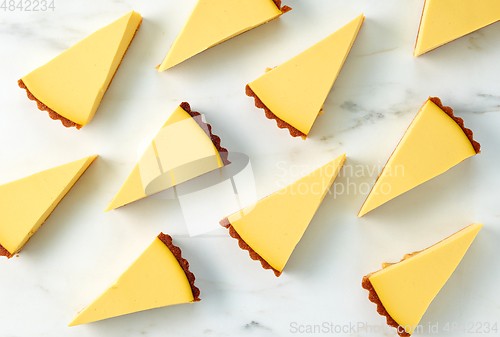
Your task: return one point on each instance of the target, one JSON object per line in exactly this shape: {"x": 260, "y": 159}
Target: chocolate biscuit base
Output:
{"x": 283, "y": 9}
{"x": 243, "y": 245}
{"x": 459, "y": 121}
{"x": 270, "y": 115}
{"x": 223, "y": 153}
{"x": 54, "y": 115}
{"x": 6, "y": 253}
{"x": 373, "y": 297}
{"x": 167, "y": 240}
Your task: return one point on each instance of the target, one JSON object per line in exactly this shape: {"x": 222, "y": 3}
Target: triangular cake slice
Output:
{"x": 213, "y": 22}
{"x": 403, "y": 291}
{"x": 294, "y": 92}
{"x": 183, "y": 149}
{"x": 26, "y": 203}
{"x": 434, "y": 142}
{"x": 159, "y": 277}
{"x": 271, "y": 228}
{"x": 70, "y": 86}
{"x": 446, "y": 20}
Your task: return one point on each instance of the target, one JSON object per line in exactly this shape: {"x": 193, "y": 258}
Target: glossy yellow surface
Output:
{"x": 154, "y": 280}
{"x": 26, "y": 203}
{"x": 214, "y": 21}
{"x": 406, "y": 289}
{"x": 180, "y": 151}
{"x": 433, "y": 143}
{"x": 274, "y": 225}
{"x": 446, "y": 20}
{"x": 74, "y": 82}
{"x": 296, "y": 90}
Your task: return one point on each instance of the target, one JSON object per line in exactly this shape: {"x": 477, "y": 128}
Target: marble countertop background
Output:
{"x": 81, "y": 250}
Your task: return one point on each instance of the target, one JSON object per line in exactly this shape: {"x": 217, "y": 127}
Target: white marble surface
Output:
{"x": 80, "y": 250}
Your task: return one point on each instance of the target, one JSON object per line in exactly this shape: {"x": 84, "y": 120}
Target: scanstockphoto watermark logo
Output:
{"x": 340, "y": 329}
{"x": 353, "y": 182}
{"x": 363, "y": 328}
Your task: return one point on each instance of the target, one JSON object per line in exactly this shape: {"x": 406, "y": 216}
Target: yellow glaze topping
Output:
{"x": 180, "y": 151}
{"x": 274, "y": 225}
{"x": 296, "y": 90}
{"x": 433, "y": 143}
{"x": 154, "y": 280}
{"x": 74, "y": 82}
{"x": 214, "y": 21}
{"x": 407, "y": 288}
{"x": 26, "y": 203}
{"x": 446, "y": 20}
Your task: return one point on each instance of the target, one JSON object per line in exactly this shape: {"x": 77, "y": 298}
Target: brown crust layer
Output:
{"x": 373, "y": 297}
{"x": 283, "y": 9}
{"x": 167, "y": 240}
{"x": 5, "y": 252}
{"x": 205, "y": 126}
{"x": 281, "y": 123}
{"x": 459, "y": 121}
{"x": 243, "y": 245}
{"x": 54, "y": 115}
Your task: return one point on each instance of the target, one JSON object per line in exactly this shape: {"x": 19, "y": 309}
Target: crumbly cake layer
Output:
{"x": 54, "y": 115}
{"x": 283, "y": 9}
{"x": 269, "y": 114}
{"x": 5, "y": 252}
{"x": 243, "y": 245}
{"x": 167, "y": 240}
{"x": 449, "y": 111}
{"x": 223, "y": 153}
{"x": 373, "y": 297}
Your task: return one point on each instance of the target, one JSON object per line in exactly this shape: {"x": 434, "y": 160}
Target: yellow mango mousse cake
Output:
{"x": 71, "y": 86}
{"x": 403, "y": 291}
{"x": 446, "y": 20}
{"x": 271, "y": 228}
{"x": 26, "y": 203}
{"x": 159, "y": 277}
{"x": 183, "y": 149}
{"x": 215, "y": 21}
{"x": 294, "y": 92}
{"x": 434, "y": 142}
